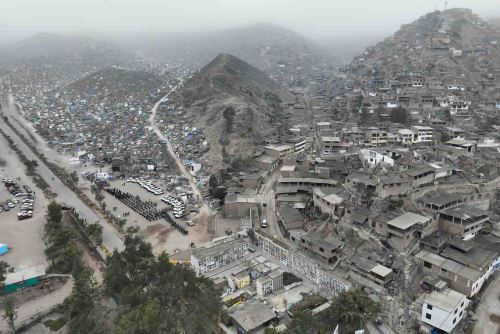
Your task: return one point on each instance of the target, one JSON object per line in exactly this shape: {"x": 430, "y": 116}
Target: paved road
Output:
{"x": 205, "y": 210}
{"x": 489, "y": 305}
{"x": 111, "y": 238}
{"x": 267, "y": 195}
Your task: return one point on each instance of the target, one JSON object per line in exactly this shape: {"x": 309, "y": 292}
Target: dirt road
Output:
{"x": 205, "y": 210}
{"x": 488, "y": 310}
{"x": 34, "y": 306}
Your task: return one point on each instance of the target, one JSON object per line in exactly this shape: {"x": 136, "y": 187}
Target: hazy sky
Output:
{"x": 313, "y": 18}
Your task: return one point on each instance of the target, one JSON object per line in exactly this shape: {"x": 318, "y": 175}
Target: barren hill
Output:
{"x": 235, "y": 105}
{"x": 276, "y": 50}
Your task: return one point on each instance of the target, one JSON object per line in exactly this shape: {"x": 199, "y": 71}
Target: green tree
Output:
{"x": 3, "y": 269}
{"x": 220, "y": 193}
{"x": 445, "y": 137}
{"x": 54, "y": 216}
{"x": 94, "y": 232}
{"x": 146, "y": 286}
{"x": 364, "y": 117}
{"x": 379, "y": 111}
{"x": 212, "y": 182}
{"x": 82, "y": 305}
{"x": 145, "y": 318}
{"x": 74, "y": 178}
{"x": 10, "y": 313}
{"x": 353, "y": 308}
{"x": 303, "y": 323}
{"x": 270, "y": 330}
{"x": 399, "y": 115}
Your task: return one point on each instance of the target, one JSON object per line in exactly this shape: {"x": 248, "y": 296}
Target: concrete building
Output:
{"x": 289, "y": 219}
{"x": 206, "y": 259}
{"x": 444, "y": 309}
{"x": 420, "y": 175}
{"x": 239, "y": 205}
{"x": 463, "y": 220}
{"x": 402, "y": 231}
{"x": 329, "y": 145}
{"x": 374, "y": 158}
{"x": 279, "y": 151}
{"x": 269, "y": 283}
{"x": 465, "y": 266}
{"x": 326, "y": 201}
{"x": 391, "y": 185}
{"x": 251, "y": 180}
{"x": 250, "y": 318}
{"x": 467, "y": 145}
{"x": 327, "y": 248}
{"x": 267, "y": 162}
{"x": 459, "y": 109}
{"x": 424, "y": 134}
{"x": 376, "y": 137}
{"x": 407, "y": 137}
{"x": 371, "y": 270}
{"x": 305, "y": 183}
{"x": 298, "y": 143}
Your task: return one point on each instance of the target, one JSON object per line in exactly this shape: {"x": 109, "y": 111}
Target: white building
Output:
{"x": 445, "y": 309}
{"x": 374, "y": 158}
{"x": 424, "y": 134}
{"x": 406, "y": 136}
{"x": 459, "y": 108}
{"x": 271, "y": 282}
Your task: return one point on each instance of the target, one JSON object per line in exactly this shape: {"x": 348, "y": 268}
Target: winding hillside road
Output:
{"x": 205, "y": 210}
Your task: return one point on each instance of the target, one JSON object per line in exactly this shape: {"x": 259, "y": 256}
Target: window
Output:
{"x": 427, "y": 264}
{"x": 428, "y": 316}
{"x": 461, "y": 312}
{"x": 462, "y": 304}
{"x": 454, "y": 320}
{"x": 429, "y": 306}
{"x": 321, "y": 249}
{"x": 455, "y": 311}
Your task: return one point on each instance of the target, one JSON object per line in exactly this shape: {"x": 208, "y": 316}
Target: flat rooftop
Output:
{"x": 450, "y": 265}
{"x": 254, "y": 315}
{"x": 407, "y": 220}
{"x": 465, "y": 212}
{"x": 447, "y": 300}
{"x": 217, "y": 249}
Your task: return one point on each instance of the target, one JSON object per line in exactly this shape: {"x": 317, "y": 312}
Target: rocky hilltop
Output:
{"x": 235, "y": 105}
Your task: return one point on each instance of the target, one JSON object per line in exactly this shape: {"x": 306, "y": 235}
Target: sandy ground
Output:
{"x": 34, "y": 306}
{"x": 23, "y": 237}
{"x": 161, "y": 235}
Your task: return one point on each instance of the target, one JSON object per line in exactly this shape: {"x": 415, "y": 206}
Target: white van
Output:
{"x": 264, "y": 223}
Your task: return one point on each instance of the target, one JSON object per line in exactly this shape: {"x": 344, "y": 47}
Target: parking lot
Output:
{"x": 23, "y": 237}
